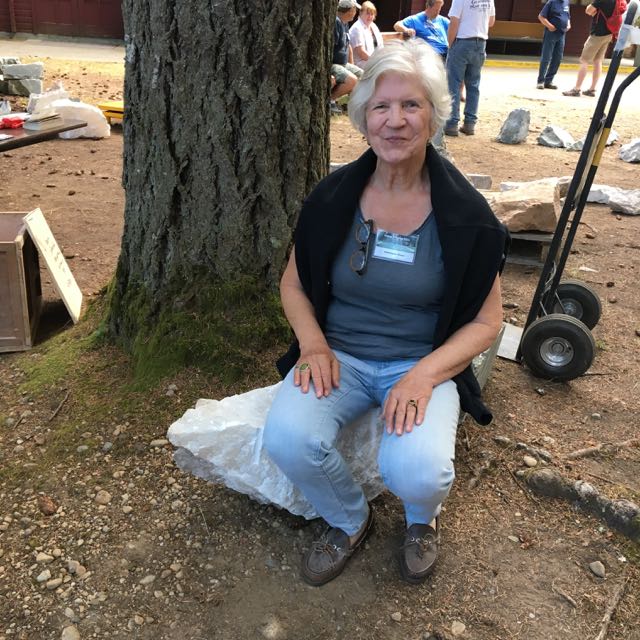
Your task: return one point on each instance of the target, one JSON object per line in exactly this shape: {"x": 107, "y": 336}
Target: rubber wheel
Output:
{"x": 558, "y": 347}
{"x": 579, "y": 301}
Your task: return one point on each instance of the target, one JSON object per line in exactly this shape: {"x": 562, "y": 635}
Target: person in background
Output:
{"x": 364, "y": 35}
{"x": 595, "y": 47}
{"x": 343, "y": 70}
{"x": 468, "y": 33}
{"x": 557, "y": 21}
{"x": 391, "y": 289}
{"x": 428, "y": 25}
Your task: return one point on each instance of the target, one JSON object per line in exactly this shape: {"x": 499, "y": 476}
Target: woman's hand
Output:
{"x": 317, "y": 364}
{"x": 406, "y": 403}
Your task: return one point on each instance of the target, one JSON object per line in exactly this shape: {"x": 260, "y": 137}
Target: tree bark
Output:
{"x": 225, "y": 132}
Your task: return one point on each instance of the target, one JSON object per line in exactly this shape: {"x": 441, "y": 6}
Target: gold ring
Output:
{"x": 412, "y": 403}
{"x": 304, "y": 366}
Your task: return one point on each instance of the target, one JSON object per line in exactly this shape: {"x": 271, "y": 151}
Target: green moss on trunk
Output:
{"x": 220, "y": 328}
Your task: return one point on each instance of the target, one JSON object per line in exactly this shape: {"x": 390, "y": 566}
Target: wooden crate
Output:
{"x": 20, "y": 286}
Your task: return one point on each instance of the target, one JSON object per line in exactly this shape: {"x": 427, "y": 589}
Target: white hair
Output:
{"x": 413, "y": 58}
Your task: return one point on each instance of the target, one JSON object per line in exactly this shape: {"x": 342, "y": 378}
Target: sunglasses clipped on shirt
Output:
{"x": 360, "y": 257}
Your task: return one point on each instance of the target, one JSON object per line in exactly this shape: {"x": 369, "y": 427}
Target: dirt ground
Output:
{"x": 164, "y": 555}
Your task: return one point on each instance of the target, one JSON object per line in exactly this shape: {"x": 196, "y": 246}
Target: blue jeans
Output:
{"x": 552, "y": 50}
{"x": 464, "y": 63}
{"x": 301, "y": 431}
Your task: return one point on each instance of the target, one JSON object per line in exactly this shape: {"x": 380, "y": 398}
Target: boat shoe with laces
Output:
{"x": 419, "y": 551}
{"x": 328, "y": 556}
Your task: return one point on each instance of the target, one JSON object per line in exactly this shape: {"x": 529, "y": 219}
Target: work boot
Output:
{"x": 451, "y": 131}
{"x": 327, "y": 557}
{"x": 468, "y": 128}
{"x": 419, "y": 552}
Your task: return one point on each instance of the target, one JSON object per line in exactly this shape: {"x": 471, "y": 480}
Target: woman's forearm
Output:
{"x": 298, "y": 308}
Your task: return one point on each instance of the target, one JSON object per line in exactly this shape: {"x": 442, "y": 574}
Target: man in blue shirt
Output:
{"x": 428, "y": 25}
{"x": 556, "y": 20}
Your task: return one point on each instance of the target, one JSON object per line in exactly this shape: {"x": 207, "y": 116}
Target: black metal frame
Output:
{"x": 584, "y": 174}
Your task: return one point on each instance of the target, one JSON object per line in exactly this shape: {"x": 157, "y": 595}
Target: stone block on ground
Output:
{"x": 554, "y": 136}
{"x": 578, "y": 145}
{"x": 9, "y": 60}
{"x": 221, "y": 441}
{"x": 24, "y": 87}
{"x": 533, "y": 206}
{"x": 620, "y": 200}
{"x": 480, "y": 180}
{"x": 562, "y": 183}
{"x": 630, "y": 152}
{"x": 516, "y": 127}
{"x": 33, "y": 70}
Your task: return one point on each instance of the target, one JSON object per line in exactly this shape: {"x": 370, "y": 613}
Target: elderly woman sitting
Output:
{"x": 391, "y": 290}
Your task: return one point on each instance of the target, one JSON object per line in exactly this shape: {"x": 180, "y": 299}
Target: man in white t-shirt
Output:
{"x": 468, "y": 34}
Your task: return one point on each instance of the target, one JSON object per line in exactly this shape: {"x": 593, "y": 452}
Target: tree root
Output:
{"x": 611, "y": 609}
{"x": 603, "y": 447}
{"x": 523, "y": 446}
{"x": 480, "y": 471}
{"x": 622, "y": 515}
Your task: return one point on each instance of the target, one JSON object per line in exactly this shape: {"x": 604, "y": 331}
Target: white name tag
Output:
{"x": 395, "y": 247}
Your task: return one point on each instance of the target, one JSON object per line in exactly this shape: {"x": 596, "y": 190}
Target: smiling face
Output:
{"x": 367, "y": 16}
{"x": 399, "y": 119}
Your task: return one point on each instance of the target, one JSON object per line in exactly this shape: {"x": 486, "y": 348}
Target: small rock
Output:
{"x": 83, "y": 448}
{"x": 139, "y": 620}
{"x": 70, "y": 633}
{"x": 148, "y": 579}
{"x": 612, "y": 299}
{"x": 610, "y": 283}
{"x": 510, "y": 305}
{"x": 159, "y": 442}
{"x": 396, "y": 616}
{"x": 103, "y": 497}
{"x": 71, "y": 192}
{"x": 597, "y": 568}
{"x": 70, "y": 613}
{"x": 540, "y": 391}
{"x": 271, "y": 629}
{"x": 638, "y": 332}
{"x": 44, "y": 557}
{"x": 458, "y": 628}
{"x": 513, "y": 538}
{"x": 107, "y": 446}
{"x": 53, "y": 584}
{"x": 530, "y": 461}
{"x": 596, "y": 416}
{"x": 44, "y": 576}
{"x": 127, "y": 509}
{"x": 590, "y": 236}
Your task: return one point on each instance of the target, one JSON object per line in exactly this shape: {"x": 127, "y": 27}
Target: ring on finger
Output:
{"x": 304, "y": 367}
{"x": 412, "y": 403}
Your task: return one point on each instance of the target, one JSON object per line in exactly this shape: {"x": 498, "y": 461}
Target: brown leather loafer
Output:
{"x": 419, "y": 552}
{"x": 327, "y": 557}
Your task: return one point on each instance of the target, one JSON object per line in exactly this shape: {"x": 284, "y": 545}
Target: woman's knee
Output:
{"x": 420, "y": 480}
{"x": 288, "y": 443}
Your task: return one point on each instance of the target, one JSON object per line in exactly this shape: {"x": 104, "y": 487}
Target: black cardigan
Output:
{"x": 474, "y": 245}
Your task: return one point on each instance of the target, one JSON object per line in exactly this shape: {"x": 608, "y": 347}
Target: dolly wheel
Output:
{"x": 579, "y": 301}
{"x": 558, "y": 347}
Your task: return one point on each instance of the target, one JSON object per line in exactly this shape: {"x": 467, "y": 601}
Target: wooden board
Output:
{"x": 63, "y": 279}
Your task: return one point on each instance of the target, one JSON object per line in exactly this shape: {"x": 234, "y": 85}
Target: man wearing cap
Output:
{"x": 428, "y": 25}
{"x": 468, "y": 35}
{"x": 342, "y": 68}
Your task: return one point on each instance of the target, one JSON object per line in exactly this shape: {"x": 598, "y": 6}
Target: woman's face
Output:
{"x": 398, "y": 119}
{"x": 368, "y": 16}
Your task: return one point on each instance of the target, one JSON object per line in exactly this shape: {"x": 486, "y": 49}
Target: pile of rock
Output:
{"x": 18, "y": 79}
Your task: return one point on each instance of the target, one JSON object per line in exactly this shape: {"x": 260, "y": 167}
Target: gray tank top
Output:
{"x": 390, "y": 312}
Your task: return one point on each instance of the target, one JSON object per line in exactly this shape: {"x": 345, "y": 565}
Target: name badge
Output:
{"x": 395, "y": 247}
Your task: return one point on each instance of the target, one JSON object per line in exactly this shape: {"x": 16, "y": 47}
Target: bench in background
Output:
{"x": 523, "y": 33}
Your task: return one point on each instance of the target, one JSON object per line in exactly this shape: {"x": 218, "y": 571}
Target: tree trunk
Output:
{"x": 226, "y": 131}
